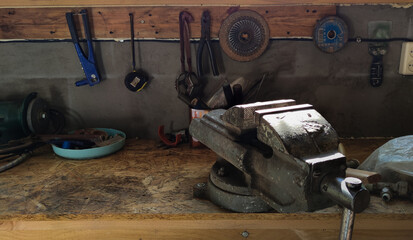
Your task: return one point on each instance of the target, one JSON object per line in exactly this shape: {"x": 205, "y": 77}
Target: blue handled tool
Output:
{"x": 88, "y": 64}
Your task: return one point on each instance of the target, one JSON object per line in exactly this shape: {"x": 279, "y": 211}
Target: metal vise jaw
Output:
{"x": 283, "y": 154}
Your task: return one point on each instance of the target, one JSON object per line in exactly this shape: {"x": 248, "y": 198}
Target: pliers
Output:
{"x": 206, "y": 39}
{"x": 88, "y": 64}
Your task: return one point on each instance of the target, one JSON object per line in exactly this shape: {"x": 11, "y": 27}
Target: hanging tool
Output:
{"x": 187, "y": 84}
{"x": 376, "y": 67}
{"x": 379, "y": 32}
{"x": 206, "y": 39}
{"x": 137, "y": 79}
{"x": 244, "y": 35}
{"x": 330, "y": 34}
{"x": 88, "y": 64}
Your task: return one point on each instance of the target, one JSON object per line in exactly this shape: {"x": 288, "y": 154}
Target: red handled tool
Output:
{"x": 165, "y": 139}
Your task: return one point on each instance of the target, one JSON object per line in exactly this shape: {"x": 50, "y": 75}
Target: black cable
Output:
{"x": 7, "y": 156}
{"x": 360, "y": 40}
{"x": 356, "y": 39}
{"x": 94, "y": 40}
{"x": 292, "y": 39}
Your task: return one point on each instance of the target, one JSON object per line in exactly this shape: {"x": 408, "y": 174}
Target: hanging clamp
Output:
{"x": 88, "y": 63}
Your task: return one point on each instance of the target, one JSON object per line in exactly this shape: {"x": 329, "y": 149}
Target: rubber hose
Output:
{"x": 15, "y": 162}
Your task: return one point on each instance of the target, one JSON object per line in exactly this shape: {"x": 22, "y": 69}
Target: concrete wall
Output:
{"x": 336, "y": 84}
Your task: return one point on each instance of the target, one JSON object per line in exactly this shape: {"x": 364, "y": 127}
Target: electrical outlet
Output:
{"x": 406, "y": 59}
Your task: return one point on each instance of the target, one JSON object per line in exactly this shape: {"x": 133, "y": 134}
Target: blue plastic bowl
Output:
{"x": 95, "y": 152}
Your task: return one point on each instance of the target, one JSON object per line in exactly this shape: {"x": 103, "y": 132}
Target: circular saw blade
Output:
{"x": 244, "y": 35}
{"x": 330, "y": 34}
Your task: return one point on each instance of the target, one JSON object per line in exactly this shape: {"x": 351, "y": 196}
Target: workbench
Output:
{"x": 145, "y": 192}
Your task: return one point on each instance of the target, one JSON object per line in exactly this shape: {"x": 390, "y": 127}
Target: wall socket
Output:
{"x": 406, "y": 59}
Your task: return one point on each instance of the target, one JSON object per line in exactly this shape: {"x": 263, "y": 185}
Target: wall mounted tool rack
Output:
{"x": 87, "y": 3}
{"x": 158, "y": 19}
{"x": 152, "y": 22}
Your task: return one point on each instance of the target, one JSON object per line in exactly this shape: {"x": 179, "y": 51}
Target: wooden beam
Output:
{"x": 94, "y": 3}
{"x": 150, "y": 22}
{"x": 365, "y": 176}
{"x": 206, "y": 226}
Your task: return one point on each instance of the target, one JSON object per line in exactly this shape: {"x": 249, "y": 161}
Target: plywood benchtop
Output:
{"x": 145, "y": 192}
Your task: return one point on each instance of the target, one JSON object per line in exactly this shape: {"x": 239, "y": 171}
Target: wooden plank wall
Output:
{"x": 151, "y": 22}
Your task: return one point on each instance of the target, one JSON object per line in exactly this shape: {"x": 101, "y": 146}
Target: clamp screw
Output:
{"x": 353, "y": 183}
{"x": 221, "y": 171}
{"x": 245, "y": 234}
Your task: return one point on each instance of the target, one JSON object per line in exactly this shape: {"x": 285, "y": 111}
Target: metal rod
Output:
{"x": 132, "y": 40}
{"x": 347, "y": 223}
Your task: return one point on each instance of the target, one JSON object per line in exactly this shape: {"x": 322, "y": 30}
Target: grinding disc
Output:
{"x": 330, "y": 34}
{"x": 244, "y": 35}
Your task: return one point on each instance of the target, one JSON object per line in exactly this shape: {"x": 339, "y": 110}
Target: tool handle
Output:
{"x": 88, "y": 35}
{"x": 343, "y": 192}
{"x": 347, "y": 224}
{"x": 237, "y": 90}
{"x": 185, "y": 42}
{"x": 212, "y": 60}
{"x": 72, "y": 28}
{"x": 187, "y": 38}
{"x": 229, "y": 96}
{"x": 132, "y": 40}
{"x": 165, "y": 140}
{"x": 81, "y": 82}
{"x": 199, "y": 70}
{"x": 89, "y": 137}
{"x": 182, "y": 40}
{"x": 26, "y": 144}
{"x": 206, "y": 38}
{"x": 86, "y": 25}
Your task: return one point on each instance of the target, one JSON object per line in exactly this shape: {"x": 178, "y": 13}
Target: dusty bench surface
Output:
{"x": 141, "y": 178}
{"x": 145, "y": 192}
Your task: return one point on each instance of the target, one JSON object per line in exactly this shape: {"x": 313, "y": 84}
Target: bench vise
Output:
{"x": 275, "y": 155}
